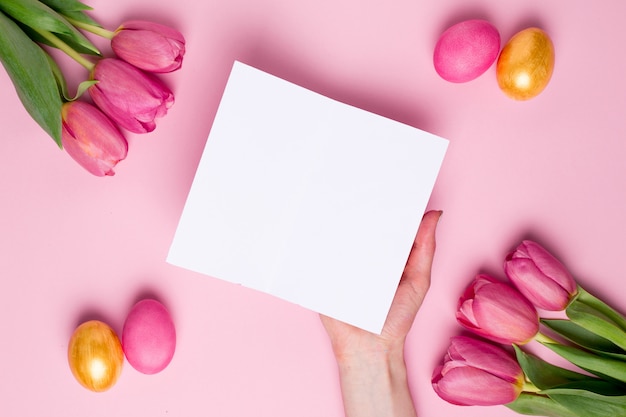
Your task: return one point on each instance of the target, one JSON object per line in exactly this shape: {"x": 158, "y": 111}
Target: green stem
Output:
{"x": 96, "y": 30}
{"x": 530, "y": 387}
{"x": 542, "y": 338}
{"x": 58, "y": 43}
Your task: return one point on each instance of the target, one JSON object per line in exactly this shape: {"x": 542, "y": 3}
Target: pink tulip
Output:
{"x": 540, "y": 276}
{"x": 149, "y": 46}
{"x": 497, "y": 311}
{"x": 477, "y": 373}
{"x": 129, "y": 96}
{"x": 91, "y": 138}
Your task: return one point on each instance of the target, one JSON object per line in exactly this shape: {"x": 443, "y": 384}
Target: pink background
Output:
{"x": 75, "y": 247}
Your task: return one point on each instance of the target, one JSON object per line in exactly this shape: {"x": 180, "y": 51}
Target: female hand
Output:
{"x": 371, "y": 367}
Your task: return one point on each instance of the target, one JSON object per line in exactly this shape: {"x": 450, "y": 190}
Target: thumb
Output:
{"x": 415, "y": 279}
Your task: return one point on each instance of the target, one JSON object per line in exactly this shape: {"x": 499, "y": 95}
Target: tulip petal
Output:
{"x": 129, "y": 96}
{"x": 147, "y": 25}
{"x": 505, "y": 315}
{"x": 151, "y": 52}
{"x": 466, "y": 313}
{"x": 470, "y": 386}
{"x": 543, "y": 293}
{"x": 91, "y": 139}
{"x": 497, "y": 311}
{"x": 550, "y": 266}
{"x": 484, "y": 356}
{"x": 149, "y": 46}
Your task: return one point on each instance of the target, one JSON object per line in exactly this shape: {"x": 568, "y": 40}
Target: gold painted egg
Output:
{"x": 525, "y": 64}
{"x": 95, "y": 355}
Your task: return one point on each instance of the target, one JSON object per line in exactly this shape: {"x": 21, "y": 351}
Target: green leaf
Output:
{"x": 539, "y": 405}
{"x": 29, "y": 70}
{"x": 58, "y": 77}
{"x": 590, "y": 362}
{"x": 543, "y": 374}
{"x": 66, "y": 39}
{"x": 602, "y": 307}
{"x": 599, "y": 386}
{"x": 584, "y": 338}
{"x": 62, "y": 85}
{"x": 81, "y": 17}
{"x": 40, "y": 17}
{"x": 589, "y": 404}
{"x": 596, "y": 322}
{"x": 72, "y": 9}
{"x": 82, "y": 87}
{"x": 66, "y": 5}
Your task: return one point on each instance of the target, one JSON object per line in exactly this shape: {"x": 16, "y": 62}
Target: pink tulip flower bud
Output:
{"x": 129, "y": 96}
{"x": 149, "y": 46}
{"x": 477, "y": 373}
{"x": 540, "y": 277}
{"x": 497, "y": 311}
{"x": 91, "y": 139}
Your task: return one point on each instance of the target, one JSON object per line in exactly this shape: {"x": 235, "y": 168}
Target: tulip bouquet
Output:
{"x": 125, "y": 90}
{"x": 495, "y": 369}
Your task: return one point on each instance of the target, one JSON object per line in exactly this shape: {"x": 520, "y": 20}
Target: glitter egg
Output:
{"x": 525, "y": 64}
{"x": 95, "y": 355}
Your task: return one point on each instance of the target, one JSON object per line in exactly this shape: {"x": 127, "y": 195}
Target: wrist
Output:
{"x": 383, "y": 358}
{"x": 374, "y": 383}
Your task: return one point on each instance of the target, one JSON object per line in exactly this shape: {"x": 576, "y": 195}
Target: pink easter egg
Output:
{"x": 466, "y": 50}
{"x": 149, "y": 337}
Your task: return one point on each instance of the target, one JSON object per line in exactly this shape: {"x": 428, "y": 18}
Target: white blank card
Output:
{"x": 306, "y": 198}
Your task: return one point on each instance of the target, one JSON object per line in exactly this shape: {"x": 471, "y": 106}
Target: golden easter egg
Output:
{"x": 525, "y": 64}
{"x": 95, "y": 355}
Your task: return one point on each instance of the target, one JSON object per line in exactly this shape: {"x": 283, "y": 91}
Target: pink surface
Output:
{"x": 75, "y": 247}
